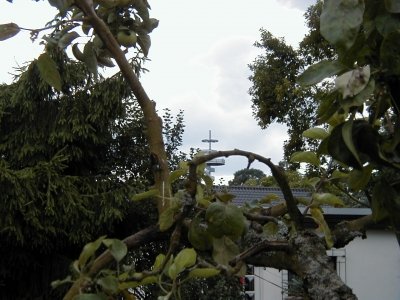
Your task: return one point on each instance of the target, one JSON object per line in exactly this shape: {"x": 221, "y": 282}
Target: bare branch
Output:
{"x": 347, "y": 231}
{"x": 259, "y": 247}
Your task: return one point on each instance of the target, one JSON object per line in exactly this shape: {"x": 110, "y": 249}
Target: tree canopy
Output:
{"x": 276, "y": 96}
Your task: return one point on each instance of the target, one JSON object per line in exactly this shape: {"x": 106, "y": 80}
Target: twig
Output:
{"x": 261, "y": 246}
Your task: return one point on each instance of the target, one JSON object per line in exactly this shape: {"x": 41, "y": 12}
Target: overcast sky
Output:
{"x": 199, "y": 63}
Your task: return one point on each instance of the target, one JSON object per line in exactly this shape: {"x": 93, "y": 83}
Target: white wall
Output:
{"x": 268, "y": 283}
{"x": 373, "y": 266}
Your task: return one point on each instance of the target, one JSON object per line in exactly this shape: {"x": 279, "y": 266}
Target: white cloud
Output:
{"x": 199, "y": 59}
{"x": 300, "y": 4}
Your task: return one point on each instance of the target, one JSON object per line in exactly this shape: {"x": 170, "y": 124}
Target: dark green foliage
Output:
{"x": 240, "y": 177}
{"x": 219, "y": 288}
{"x": 69, "y": 161}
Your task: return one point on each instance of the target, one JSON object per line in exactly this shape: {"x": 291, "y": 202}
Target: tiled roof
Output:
{"x": 251, "y": 194}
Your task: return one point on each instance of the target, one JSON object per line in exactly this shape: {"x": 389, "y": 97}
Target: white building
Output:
{"x": 370, "y": 266}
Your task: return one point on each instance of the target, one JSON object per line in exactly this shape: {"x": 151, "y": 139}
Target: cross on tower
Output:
{"x": 209, "y": 140}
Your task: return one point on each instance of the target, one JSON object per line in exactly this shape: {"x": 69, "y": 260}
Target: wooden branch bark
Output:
{"x": 347, "y": 231}
{"x": 152, "y": 121}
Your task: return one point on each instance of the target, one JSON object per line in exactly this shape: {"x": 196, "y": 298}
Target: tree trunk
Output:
{"x": 312, "y": 265}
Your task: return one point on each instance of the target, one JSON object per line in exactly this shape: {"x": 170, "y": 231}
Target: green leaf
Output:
{"x": 380, "y": 194}
{"x": 270, "y": 229}
{"x": 353, "y": 82}
{"x": 134, "y": 284}
{"x": 315, "y": 133}
{"x": 393, "y": 6}
{"x": 225, "y": 219}
{"x": 56, "y": 283}
{"x": 144, "y": 42}
{"x": 203, "y": 273}
{"x": 117, "y": 248}
{"x": 224, "y": 250}
{"x": 108, "y": 283}
{"x": 338, "y": 149}
{"x": 173, "y": 271}
{"x": 90, "y": 297}
{"x": 158, "y": 262}
{"x": 358, "y": 179}
{"x": 269, "y": 198}
{"x": 8, "y": 31}
{"x": 185, "y": 259}
{"x": 208, "y": 180}
{"x": 166, "y": 219}
{"x": 318, "y": 217}
{"x": 319, "y": 71}
{"x": 48, "y": 71}
{"x": 386, "y": 23}
{"x": 61, "y": 5}
{"x": 389, "y": 53}
{"x": 88, "y": 251}
{"x": 347, "y": 133}
{"x": 305, "y": 157}
{"x": 225, "y": 197}
{"x": 313, "y": 181}
{"x": 327, "y": 199}
{"x": 89, "y": 58}
{"x": 175, "y": 175}
{"x": 341, "y": 21}
{"x": 198, "y": 235}
{"x": 336, "y": 174}
{"x": 145, "y": 195}
{"x": 67, "y": 39}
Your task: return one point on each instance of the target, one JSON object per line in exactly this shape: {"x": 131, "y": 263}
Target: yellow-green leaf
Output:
{"x": 158, "y": 262}
{"x": 269, "y": 198}
{"x": 145, "y": 195}
{"x": 315, "y": 133}
{"x": 305, "y": 157}
{"x": 185, "y": 259}
{"x": 166, "y": 218}
{"x": 328, "y": 199}
{"x": 318, "y": 217}
{"x": 48, "y": 71}
{"x": 175, "y": 175}
{"x": 88, "y": 251}
{"x": 203, "y": 272}
{"x": 117, "y": 248}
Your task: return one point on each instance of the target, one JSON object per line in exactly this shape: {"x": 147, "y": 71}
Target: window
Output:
{"x": 249, "y": 290}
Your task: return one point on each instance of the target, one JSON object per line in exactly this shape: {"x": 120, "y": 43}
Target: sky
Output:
{"x": 199, "y": 63}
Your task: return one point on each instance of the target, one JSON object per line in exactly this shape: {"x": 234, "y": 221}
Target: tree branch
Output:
{"x": 145, "y": 235}
{"x": 347, "y": 231}
{"x": 152, "y": 121}
{"x": 291, "y": 202}
{"x": 259, "y": 247}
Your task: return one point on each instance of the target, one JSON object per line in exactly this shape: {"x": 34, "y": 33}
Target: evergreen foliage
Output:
{"x": 70, "y": 161}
